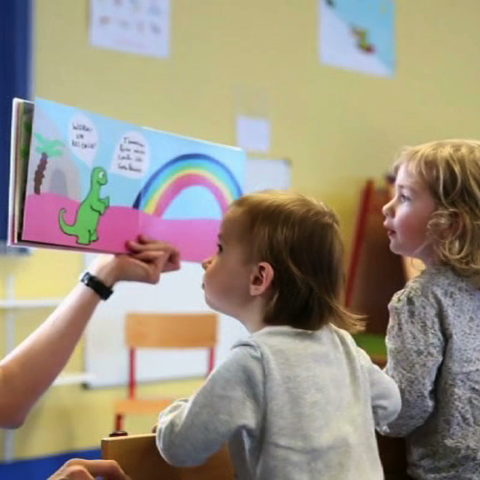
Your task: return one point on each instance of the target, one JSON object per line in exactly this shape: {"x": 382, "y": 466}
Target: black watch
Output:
{"x": 96, "y": 285}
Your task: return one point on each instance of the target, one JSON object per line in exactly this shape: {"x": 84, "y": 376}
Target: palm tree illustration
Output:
{"x": 47, "y": 149}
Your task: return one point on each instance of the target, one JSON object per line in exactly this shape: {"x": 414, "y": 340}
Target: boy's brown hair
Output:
{"x": 300, "y": 238}
{"x": 451, "y": 171}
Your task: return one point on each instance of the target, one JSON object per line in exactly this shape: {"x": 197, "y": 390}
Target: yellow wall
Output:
{"x": 337, "y": 127}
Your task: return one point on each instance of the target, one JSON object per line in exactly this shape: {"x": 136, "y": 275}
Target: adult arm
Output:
{"x": 415, "y": 347}
{"x": 27, "y": 371}
{"x": 190, "y": 431}
{"x": 80, "y": 469}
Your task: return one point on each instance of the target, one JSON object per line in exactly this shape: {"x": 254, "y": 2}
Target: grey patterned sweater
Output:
{"x": 433, "y": 342}
{"x": 292, "y": 405}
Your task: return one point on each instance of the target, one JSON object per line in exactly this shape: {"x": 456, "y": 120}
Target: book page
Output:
{"x": 95, "y": 182}
{"x": 22, "y": 117}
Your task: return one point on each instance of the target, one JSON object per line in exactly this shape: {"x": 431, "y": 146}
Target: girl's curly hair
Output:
{"x": 451, "y": 171}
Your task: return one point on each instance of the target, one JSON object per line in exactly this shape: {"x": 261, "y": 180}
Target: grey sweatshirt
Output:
{"x": 433, "y": 342}
{"x": 292, "y": 404}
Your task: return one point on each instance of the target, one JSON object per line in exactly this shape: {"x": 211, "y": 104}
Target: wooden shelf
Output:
{"x": 73, "y": 379}
{"x": 29, "y": 303}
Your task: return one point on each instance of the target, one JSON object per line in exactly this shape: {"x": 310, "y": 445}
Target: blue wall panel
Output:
{"x": 15, "y": 54}
{"x": 41, "y": 468}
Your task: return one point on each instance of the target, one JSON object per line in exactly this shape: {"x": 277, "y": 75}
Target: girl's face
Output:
{"x": 228, "y": 273}
{"x": 407, "y": 216}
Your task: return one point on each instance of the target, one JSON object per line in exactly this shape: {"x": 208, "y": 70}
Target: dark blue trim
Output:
{"x": 15, "y": 81}
{"x": 41, "y": 468}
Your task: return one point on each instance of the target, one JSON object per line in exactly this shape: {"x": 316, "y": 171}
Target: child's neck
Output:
{"x": 253, "y": 313}
{"x": 253, "y": 324}
{"x": 252, "y": 318}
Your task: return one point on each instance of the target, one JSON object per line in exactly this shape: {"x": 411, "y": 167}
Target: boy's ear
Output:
{"x": 262, "y": 278}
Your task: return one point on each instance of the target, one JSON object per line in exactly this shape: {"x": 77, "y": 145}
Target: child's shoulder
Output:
{"x": 436, "y": 282}
{"x": 279, "y": 344}
{"x": 284, "y": 336}
{"x": 287, "y": 339}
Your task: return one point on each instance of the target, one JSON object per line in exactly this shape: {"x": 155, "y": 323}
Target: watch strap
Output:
{"x": 93, "y": 282}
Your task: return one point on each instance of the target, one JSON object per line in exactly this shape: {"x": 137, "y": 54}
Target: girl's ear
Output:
{"x": 262, "y": 278}
{"x": 452, "y": 225}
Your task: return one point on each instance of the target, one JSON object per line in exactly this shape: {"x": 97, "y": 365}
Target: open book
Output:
{"x": 83, "y": 181}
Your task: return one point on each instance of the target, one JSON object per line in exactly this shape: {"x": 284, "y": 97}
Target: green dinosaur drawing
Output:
{"x": 47, "y": 149}
{"x": 89, "y": 211}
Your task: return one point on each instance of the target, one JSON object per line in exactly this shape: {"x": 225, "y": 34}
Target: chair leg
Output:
{"x": 119, "y": 422}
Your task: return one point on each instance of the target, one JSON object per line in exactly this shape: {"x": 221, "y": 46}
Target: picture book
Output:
{"x": 84, "y": 181}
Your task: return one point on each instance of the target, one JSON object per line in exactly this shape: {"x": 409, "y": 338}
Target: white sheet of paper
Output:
{"x": 253, "y": 133}
{"x": 358, "y": 36}
{"x": 140, "y": 26}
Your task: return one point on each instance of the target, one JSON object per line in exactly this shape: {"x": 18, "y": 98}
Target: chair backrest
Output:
{"x": 140, "y": 459}
{"x": 393, "y": 457}
{"x": 171, "y": 330}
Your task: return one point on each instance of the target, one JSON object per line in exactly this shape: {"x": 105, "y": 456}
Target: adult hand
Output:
{"x": 147, "y": 260}
{"x": 148, "y": 250}
{"x": 80, "y": 469}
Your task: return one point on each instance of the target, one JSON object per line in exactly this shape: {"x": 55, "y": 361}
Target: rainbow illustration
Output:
{"x": 192, "y": 169}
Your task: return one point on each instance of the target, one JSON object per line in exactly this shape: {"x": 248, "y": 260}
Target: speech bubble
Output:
{"x": 132, "y": 155}
{"x": 83, "y": 138}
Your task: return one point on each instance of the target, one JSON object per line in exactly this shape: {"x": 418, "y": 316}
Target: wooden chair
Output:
{"x": 140, "y": 459}
{"x": 393, "y": 457}
{"x": 369, "y": 290}
{"x": 392, "y": 450}
{"x": 163, "y": 330}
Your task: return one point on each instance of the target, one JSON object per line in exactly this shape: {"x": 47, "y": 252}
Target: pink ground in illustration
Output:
{"x": 196, "y": 238}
